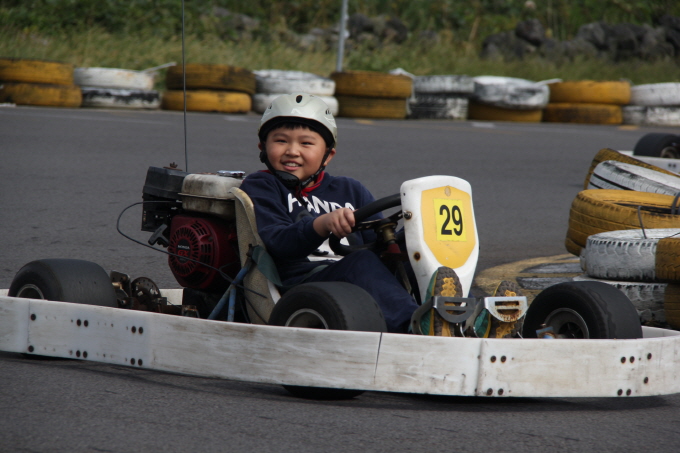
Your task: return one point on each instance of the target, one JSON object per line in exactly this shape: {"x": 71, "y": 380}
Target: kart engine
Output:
{"x": 185, "y": 216}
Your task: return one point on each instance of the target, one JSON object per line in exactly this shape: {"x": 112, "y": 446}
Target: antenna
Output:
{"x": 184, "y": 90}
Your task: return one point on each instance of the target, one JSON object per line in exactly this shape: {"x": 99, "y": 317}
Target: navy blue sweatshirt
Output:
{"x": 285, "y": 226}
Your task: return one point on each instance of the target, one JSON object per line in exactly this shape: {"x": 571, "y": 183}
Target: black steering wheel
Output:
{"x": 363, "y": 213}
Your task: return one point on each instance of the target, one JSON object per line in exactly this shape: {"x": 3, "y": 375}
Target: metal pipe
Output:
{"x": 341, "y": 36}
{"x": 228, "y": 295}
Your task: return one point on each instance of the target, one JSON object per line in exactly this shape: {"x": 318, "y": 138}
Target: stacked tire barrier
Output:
{"x": 38, "y": 82}
{"x": 587, "y": 101}
{"x": 272, "y": 83}
{"x": 367, "y": 94}
{"x": 621, "y": 197}
{"x": 656, "y": 104}
{"x": 210, "y": 88}
{"x": 643, "y": 264}
{"x": 441, "y": 97}
{"x": 508, "y": 99}
{"x": 117, "y": 88}
{"x": 625, "y": 227}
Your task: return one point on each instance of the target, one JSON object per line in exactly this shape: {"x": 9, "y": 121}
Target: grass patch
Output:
{"x": 98, "y": 48}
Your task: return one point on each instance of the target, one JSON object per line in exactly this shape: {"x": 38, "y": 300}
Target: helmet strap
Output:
{"x": 292, "y": 182}
{"x": 318, "y": 172}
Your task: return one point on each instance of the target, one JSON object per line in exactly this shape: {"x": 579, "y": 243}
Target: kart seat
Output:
{"x": 262, "y": 294}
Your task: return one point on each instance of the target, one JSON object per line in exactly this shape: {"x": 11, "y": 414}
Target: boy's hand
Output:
{"x": 338, "y": 222}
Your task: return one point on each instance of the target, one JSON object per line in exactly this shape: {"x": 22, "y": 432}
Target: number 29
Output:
{"x": 453, "y": 221}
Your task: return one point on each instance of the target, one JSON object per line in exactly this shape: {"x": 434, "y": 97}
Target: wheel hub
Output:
{"x": 670, "y": 152}
{"x": 30, "y": 291}
{"x": 567, "y": 323}
{"x": 308, "y": 318}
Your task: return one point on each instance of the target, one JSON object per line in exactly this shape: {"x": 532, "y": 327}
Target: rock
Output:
{"x": 668, "y": 21}
{"x": 506, "y": 46}
{"x": 653, "y": 45}
{"x": 673, "y": 37}
{"x": 396, "y": 31}
{"x": 595, "y": 33}
{"x": 579, "y": 47}
{"x": 359, "y": 23}
{"x": 531, "y": 31}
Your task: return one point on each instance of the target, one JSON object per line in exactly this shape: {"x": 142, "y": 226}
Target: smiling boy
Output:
{"x": 298, "y": 205}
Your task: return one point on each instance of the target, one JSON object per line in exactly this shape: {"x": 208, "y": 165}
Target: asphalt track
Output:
{"x": 65, "y": 176}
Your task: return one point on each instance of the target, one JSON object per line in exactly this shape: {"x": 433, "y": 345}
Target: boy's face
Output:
{"x": 296, "y": 151}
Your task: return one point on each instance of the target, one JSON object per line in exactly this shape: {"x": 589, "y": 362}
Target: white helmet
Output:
{"x": 301, "y": 108}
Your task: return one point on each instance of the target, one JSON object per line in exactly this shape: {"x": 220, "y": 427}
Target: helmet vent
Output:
{"x": 298, "y": 99}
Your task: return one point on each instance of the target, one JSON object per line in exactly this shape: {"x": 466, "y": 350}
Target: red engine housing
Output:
{"x": 209, "y": 241}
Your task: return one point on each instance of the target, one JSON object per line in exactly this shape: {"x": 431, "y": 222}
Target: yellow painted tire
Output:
{"x": 671, "y": 305}
{"x": 599, "y": 210}
{"x": 372, "y": 84}
{"x": 364, "y": 107}
{"x": 591, "y": 92}
{"x": 609, "y": 154}
{"x": 41, "y": 94}
{"x": 207, "y": 101}
{"x": 36, "y": 71}
{"x": 667, "y": 260}
{"x": 556, "y": 112}
{"x": 211, "y": 77}
{"x": 477, "y": 111}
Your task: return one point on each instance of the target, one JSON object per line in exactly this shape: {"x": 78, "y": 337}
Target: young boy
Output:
{"x": 298, "y": 205}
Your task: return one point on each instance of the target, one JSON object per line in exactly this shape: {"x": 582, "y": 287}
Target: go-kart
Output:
{"x": 234, "y": 319}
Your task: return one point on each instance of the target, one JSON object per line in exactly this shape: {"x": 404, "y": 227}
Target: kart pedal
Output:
{"x": 503, "y": 313}
{"x": 454, "y": 309}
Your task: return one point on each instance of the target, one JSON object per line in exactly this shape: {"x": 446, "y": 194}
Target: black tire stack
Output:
{"x": 443, "y": 97}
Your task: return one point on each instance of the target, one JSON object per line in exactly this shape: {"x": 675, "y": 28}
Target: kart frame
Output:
{"x": 343, "y": 359}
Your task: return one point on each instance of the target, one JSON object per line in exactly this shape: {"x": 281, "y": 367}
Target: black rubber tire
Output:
{"x": 653, "y": 144}
{"x": 338, "y": 305}
{"x": 64, "y": 280}
{"x": 604, "y": 311}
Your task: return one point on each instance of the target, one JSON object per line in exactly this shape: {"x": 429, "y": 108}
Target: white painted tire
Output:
{"x": 511, "y": 93}
{"x": 647, "y": 298}
{"x": 120, "y": 99}
{"x": 263, "y": 100}
{"x": 655, "y": 94}
{"x": 634, "y": 114}
{"x": 624, "y": 255}
{"x": 611, "y": 174}
{"x": 438, "y": 106}
{"x": 651, "y": 116}
{"x": 443, "y": 84}
{"x": 273, "y": 81}
{"x": 123, "y": 79}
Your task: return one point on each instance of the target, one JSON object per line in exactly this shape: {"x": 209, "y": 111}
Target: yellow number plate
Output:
{"x": 450, "y": 219}
{"x": 448, "y": 225}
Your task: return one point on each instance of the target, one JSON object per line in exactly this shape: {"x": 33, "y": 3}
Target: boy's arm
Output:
{"x": 338, "y": 222}
{"x": 283, "y": 238}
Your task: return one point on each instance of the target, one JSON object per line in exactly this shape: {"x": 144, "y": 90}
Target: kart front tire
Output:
{"x": 583, "y": 310}
{"x": 327, "y": 305}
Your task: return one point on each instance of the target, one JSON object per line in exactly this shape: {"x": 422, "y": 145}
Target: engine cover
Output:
{"x": 198, "y": 241}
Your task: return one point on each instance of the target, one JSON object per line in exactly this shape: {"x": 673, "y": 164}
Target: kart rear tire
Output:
{"x": 583, "y": 310}
{"x": 64, "y": 280}
{"x": 327, "y": 305}
{"x": 658, "y": 144}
